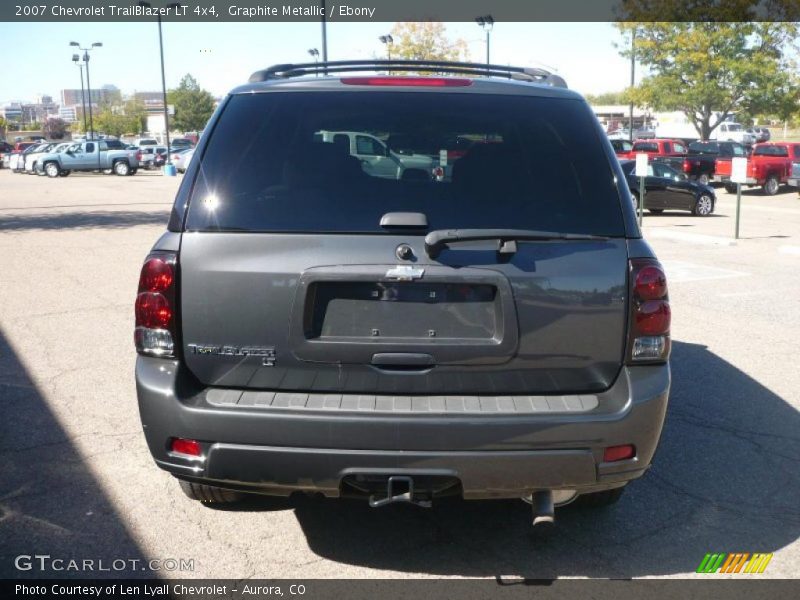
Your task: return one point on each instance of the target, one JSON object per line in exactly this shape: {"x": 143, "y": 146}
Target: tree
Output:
{"x": 193, "y": 105}
{"x": 55, "y": 129}
{"x": 3, "y": 126}
{"x": 137, "y": 114}
{"x": 607, "y": 98}
{"x": 711, "y": 70}
{"x": 426, "y": 41}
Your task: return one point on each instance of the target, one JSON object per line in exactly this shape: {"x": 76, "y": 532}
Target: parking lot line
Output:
{"x": 681, "y": 272}
{"x": 695, "y": 238}
{"x": 772, "y": 209}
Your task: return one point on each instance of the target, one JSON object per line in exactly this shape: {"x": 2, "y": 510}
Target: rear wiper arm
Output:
{"x": 436, "y": 240}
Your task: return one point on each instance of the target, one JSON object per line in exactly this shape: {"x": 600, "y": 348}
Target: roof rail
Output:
{"x": 286, "y": 71}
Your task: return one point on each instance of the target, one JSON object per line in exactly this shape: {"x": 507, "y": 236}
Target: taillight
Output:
{"x": 156, "y": 329}
{"x": 650, "y": 315}
{"x": 139, "y": 155}
{"x": 687, "y": 166}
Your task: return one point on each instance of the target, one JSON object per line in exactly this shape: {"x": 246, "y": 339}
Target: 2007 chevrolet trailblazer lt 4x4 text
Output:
{"x": 489, "y": 325}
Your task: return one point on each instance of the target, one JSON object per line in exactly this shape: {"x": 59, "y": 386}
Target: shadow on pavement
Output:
{"x": 725, "y": 479}
{"x": 83, "y": 220}
{"x": 50, "y": 503}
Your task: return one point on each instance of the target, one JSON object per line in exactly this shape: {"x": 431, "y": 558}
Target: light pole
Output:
{"x": 76, "y": 59}
{"x": 486, "y": 23}
{"x": 88, "y": 82}
{"x": 633, "y": 81}
{"x": 388, "y": 40}
{"x": 324, "y": 34}
{"x": 169, "y": 6}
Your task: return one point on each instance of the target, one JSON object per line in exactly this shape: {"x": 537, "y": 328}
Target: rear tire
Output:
{"x": 730, "y": 188}
{"x": 64, "y": 173}
{"x": 132, "y": 171}
{"x": 656, "y": 211}
{"x": 771, "y": 186}
{"x": 599, "y": 499}
{"x": 703, "y": 178}
{"x": 209, "y": 494}
{"x": 121, "y": 168}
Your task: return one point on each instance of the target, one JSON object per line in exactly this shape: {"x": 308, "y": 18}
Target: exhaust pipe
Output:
{"x": 543, "y": 509}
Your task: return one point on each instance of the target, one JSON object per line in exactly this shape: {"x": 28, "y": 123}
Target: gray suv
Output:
{"x": 492, "y": 326}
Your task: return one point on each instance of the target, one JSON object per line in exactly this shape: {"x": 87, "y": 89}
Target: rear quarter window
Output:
{"x": 780, "y": 151}
{"x": 273, "y": 163}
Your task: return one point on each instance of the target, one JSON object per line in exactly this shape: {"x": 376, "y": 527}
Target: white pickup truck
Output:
{"x": 727, "y": 131}
{"x": 377, "y": 159}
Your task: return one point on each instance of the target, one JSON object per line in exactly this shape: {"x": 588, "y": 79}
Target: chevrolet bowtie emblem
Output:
{"x": 405, "y": 273}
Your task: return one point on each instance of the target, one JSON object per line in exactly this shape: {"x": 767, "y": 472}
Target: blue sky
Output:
{"x": 222, "y": 55}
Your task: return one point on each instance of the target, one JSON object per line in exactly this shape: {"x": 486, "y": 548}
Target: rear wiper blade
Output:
{"x": 436, "y": 240}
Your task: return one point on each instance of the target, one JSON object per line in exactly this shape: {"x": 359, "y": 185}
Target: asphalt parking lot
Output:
{"x": 77, "y": 480}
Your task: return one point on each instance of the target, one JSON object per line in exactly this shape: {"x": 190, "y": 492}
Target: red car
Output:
{"x": 622, "y": 148}
{"x": 769, "y": 166}
{"x": 666, "y": 151}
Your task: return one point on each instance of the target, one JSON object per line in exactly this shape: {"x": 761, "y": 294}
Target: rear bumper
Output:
{"x": 727, "y": 179}
{"x": 494, "y": 454}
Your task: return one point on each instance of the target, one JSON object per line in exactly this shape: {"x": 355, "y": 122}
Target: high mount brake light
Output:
{"x": 650, "y": 315}
{"x": 156, "y": 325}
{"x": 408, "y": 81}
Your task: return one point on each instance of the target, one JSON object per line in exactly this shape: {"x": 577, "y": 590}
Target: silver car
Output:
{"x": 180, "y": 158}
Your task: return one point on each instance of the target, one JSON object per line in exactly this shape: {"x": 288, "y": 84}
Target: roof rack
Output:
{"x": 286, "y": 71}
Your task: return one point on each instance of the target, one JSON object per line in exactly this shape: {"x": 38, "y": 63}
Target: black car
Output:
{"x": 668, "y": 189}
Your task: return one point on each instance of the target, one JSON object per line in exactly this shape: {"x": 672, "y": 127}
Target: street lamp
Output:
{"x": 388, "y": 40}
{"x": 88, "y": 82}
{"x": 315, "y": 53}
{"x": 76, "y": 59}
{"x": 169, "y": 6}
{"x": 486, "y": 23}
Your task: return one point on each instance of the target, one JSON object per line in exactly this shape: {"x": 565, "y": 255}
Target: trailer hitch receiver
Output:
{"x": 394, "y": 493}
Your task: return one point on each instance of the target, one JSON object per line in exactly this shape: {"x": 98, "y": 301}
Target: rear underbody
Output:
{"x": 476, "y": 446}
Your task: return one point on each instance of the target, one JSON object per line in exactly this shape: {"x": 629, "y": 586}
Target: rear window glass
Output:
{"x": 704, "y": 148}
{"x": 645, "y": 147}
{"x": 338, "y": 161}
{"x": 770, "y": 151}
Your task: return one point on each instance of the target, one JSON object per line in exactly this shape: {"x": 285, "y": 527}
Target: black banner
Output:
{"x": 382, "y": 589}
{"x": 395, "y": 10}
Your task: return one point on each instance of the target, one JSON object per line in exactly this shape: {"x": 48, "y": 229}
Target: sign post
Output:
{"x": 738, "y": 176}
{"x": 641, "y": 171}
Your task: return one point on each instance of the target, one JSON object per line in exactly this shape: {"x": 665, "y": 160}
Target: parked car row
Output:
{"x": 56, "y": 159}
{"x": 59, "y": 159}
{"x": 771, "y": 164}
